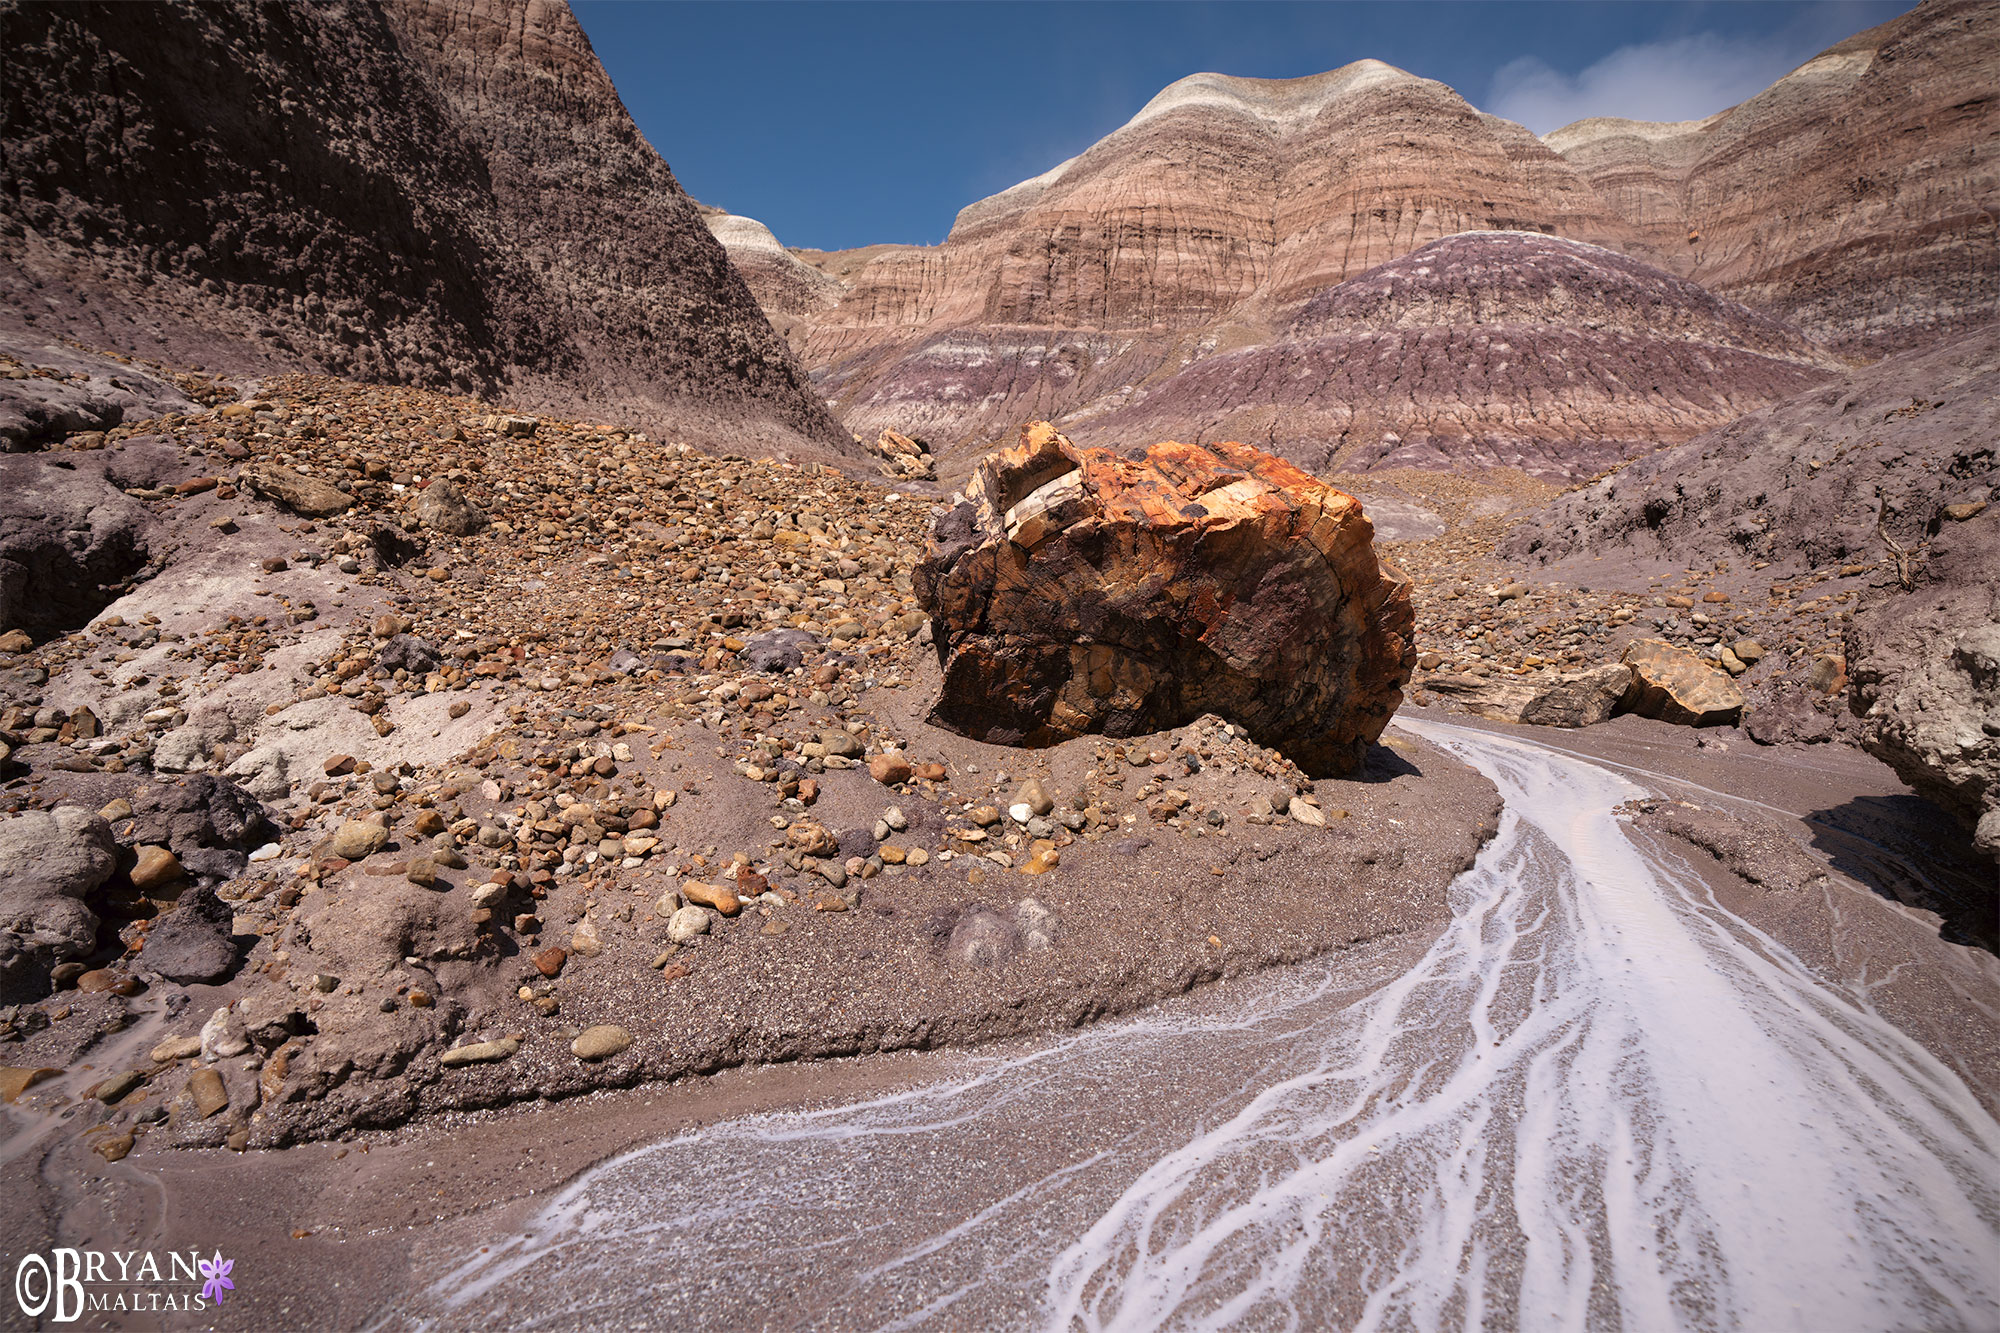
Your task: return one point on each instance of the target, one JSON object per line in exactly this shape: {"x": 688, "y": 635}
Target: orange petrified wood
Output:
{"x": 1074, "y": 591}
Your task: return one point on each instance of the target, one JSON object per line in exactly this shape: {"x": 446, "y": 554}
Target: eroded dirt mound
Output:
{"x": 1806, "y": 481}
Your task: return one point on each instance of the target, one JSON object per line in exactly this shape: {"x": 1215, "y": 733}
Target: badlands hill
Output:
{"x": 1850, "y": 201}
{"x": 1488, "y": 349}
{"x": 1888, "y": 471}
{"x": 790, "y": 290}
{"x": 467, "y": 206}
{"x": 1853, "y": 197}
{"x": 1203, "y": 224}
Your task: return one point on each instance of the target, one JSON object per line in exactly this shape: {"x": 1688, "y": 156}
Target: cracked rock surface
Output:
{"x": 1074, "y": 591}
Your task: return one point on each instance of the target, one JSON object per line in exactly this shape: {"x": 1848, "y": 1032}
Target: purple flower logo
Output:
{"x": 216, "y": 1271}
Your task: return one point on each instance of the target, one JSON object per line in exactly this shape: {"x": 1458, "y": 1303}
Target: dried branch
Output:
{"x": 1904, "y": 573}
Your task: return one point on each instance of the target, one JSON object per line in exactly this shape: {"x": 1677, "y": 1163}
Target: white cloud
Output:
{"x": 1684, "y": 78}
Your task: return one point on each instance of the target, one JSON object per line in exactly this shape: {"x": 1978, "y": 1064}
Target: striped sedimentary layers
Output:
{"x": 1852, "y": 200}
{"x": 1489, "y": 349}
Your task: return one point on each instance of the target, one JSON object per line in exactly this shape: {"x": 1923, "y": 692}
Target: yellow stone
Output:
{"x": 15, "y": 1080}
{"x": 722, "y": 899}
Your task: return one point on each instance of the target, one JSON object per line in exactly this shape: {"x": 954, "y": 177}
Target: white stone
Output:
{"x": 687, "y": 923}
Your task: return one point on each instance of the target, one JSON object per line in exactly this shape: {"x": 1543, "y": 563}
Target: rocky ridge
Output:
{"x": 1853, "y": 197}
{"x": 468, "y": 205}
{"x": 1886, "y": 477}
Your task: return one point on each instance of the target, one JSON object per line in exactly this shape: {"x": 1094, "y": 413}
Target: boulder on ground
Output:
{"x": 442, "y": 508}
{"x": 1788, "y": 715}
{"x": 265, "y": 772}
{"x": 1501, "y": 698}
{"x": 156, "y": 868}
{"x": 479, "y": 1052}
{"x": 68, "y": 538}
{"x": 50, "y": 861}
{"x": 599, "y": 1042}
{"x": 209, "y": 822}
{"x": 357, "y": 840}
{"x": 1674, "y": 685}
{"x": 407, "y": 652}
{"x": 778, "y": 650}
{"x": 905, "y": 457}
{"x": 308, "y": 497}
{"x": 1581, "y": 700}
{"x": 1074, "y": 591}
{"x": 192, "y": 943}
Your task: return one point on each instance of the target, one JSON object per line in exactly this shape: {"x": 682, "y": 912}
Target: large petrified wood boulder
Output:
{"x": 1075, "y": 591}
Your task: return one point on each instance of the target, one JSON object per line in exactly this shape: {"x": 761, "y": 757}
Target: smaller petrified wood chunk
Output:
{"x": 1074, "y": 591}
{"x": 1674, "y": 685}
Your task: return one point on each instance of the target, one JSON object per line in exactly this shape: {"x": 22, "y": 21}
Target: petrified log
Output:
{"x": 1674, "y": 685}
{"x": 1577, "y": 699}
{"x": 1074, "y": 591}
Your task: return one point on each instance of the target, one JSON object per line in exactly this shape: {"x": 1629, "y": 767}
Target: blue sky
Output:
{"x": 841, "y": 124}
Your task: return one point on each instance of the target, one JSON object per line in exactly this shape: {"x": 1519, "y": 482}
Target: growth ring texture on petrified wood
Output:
{"x": 1076, "y": 591}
